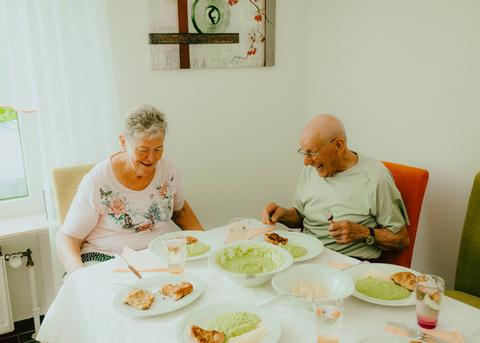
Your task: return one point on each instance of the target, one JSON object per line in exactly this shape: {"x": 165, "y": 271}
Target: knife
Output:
{"x": 133, "y": 270}
{"x": 410, "y": 332}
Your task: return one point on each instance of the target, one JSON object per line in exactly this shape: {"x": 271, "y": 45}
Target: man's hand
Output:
{"x": 272, "y": 213}
{"x": 345, "y": 231}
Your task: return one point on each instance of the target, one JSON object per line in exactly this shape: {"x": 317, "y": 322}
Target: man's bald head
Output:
{"x": 323, "y": 128}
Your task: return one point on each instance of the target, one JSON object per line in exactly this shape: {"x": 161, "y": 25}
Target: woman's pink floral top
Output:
{"x": 108, "y": 216}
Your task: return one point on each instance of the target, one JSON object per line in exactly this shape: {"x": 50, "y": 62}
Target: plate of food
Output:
{"x": 157, "y": 294}
{"x": 305, "y": 283}
{"x": 389, "y": 339}
{"x": 199, "y": 244}
{"x": 383, "y": 284}
{"x": 229, "y": 322}
{"x": 301, "y": 246}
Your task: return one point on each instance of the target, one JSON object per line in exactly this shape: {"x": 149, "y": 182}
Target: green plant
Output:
{"x": 7, "y": 114}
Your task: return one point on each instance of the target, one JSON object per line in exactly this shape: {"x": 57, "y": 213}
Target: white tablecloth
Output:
{"x": 83, "y": 309}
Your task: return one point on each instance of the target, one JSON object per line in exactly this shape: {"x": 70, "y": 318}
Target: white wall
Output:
{"x": 233, "y": 132}
{"x": 404, "y": 76}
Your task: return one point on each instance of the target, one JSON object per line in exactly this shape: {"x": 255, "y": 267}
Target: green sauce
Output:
{"x": 249, "y": 259}
{"x": 381, "y": 289}
{"x": 234, "y": 324}
{"x": 294, "y": 250}
{"x": 196, "y": 249}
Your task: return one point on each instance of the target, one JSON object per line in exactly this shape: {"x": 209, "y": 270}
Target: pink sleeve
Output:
{"x": 82, "y": 215}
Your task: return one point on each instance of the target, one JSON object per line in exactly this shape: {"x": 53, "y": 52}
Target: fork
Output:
{"x": 328, "y": 214}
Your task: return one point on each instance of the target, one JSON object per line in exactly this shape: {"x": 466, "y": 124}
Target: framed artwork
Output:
{"x": 211, "y": 33}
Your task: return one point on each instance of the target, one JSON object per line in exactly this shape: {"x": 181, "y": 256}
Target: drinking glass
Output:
{"x": 238, "y": 230}
{"x": 175, "y": 251}
{"x": 328, "y": 320}
{"x": 428, "y": 292}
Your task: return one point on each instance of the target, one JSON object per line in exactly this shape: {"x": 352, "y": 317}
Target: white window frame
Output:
{"x": 34, "y": 201}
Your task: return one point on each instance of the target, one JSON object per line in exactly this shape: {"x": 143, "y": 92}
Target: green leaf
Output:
{"x": 7, "y": 114}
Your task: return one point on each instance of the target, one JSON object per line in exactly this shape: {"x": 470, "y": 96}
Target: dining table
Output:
{"x": 83, "y": 310}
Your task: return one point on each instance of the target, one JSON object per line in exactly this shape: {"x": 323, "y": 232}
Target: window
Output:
{"x": 13, "y": 181}
{"x": 20, "y": 161}
{"x": 20, "y": 164}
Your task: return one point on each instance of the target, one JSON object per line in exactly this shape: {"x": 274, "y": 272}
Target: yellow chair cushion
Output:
{"x": 466, "y": 298}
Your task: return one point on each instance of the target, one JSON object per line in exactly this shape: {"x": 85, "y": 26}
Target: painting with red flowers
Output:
{"x": 211, "y": 33}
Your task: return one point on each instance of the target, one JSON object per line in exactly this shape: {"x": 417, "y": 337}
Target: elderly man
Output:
{"x": 347, "y": 200}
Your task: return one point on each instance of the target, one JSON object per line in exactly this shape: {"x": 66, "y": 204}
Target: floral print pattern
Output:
{"x": 118, "y": 209}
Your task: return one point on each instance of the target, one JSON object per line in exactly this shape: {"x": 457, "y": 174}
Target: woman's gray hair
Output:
{"x": 144, "y": 120}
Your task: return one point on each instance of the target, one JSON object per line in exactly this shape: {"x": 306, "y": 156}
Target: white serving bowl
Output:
{"x": 230, "y": 251}
{"x": 338, "y": 284}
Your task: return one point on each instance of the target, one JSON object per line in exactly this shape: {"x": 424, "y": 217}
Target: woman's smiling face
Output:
{"x": 144, "y": 152}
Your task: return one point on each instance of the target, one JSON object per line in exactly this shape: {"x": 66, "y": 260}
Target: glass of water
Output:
{"x": 175, "y": 251}
{"x": 238, "y": 230}
{"x": 328, "y": 315}
{"x": 428, "y": 292}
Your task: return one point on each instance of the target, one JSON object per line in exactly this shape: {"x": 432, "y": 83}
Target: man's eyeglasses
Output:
{"x": 313, "y": 154}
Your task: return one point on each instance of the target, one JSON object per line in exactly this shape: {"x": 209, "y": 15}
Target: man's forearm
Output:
{"x": 387, "y": 240}
{"x": 291, "y": 218}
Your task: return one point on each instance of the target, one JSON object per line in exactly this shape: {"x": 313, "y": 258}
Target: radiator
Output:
{"x": 6, "y": 323}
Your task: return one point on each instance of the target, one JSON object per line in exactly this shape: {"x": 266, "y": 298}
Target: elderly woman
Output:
{"x": 127, "y": 199}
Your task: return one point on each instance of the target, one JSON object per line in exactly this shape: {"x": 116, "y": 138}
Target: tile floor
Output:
{"x": 22, "y": 333}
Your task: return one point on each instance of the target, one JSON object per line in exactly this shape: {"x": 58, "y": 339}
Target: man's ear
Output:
{"x": 341, "y": 145}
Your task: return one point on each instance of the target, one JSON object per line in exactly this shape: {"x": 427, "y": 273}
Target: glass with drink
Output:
{"x": 238, "y": 230}
{"x": 328, "y": 320}
{"x": 175, "y": 251}
{"x": 428, "y": 292}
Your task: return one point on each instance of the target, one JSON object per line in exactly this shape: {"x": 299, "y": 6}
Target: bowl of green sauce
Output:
{"x": 250, "y": 263}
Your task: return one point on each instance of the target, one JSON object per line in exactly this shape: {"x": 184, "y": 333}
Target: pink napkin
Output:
{"x": 141, "y": 261}
{"x": 449, "y": 336}
{"x": 339, "y": 265}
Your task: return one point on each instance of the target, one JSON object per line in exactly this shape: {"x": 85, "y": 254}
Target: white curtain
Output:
{"x": 57, "y": 60}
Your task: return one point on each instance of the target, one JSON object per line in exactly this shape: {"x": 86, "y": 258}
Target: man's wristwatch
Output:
{"x": 371, "y": 237}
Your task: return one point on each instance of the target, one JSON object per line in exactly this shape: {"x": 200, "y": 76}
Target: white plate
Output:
{"x": 156, "y": 246}
{"x": 161, "y": 304}
{"x": 313, "y": 245}
{"x": 387, "y": 339}
{"x": 339, "y": 285}
{"x": 203, "y": 316}
{"x": 358, "y": 271}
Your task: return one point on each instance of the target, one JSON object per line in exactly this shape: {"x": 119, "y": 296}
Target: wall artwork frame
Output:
{"x": 198, "y": 34}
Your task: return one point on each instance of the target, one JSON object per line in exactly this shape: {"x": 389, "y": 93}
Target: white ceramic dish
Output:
{"x": 256, "y": 279}
{"x": 388, "y": 339}
{"x": 358, "y": 271}
{"x": 338, "y": 284}
{"x": 156, "y": 246}
{"x": 161, "y": 304}
{"x": 313, "y": 245}
{"x": 202, "y": 316}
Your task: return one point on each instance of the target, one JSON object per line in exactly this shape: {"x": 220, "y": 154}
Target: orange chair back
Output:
{"x": 411, "y": 182}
